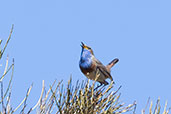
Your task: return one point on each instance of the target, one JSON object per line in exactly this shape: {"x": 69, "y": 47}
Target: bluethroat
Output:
{"x": 89, "y": 66}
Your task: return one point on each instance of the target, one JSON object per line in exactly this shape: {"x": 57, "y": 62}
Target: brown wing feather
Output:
{"x": 103, "y": 69}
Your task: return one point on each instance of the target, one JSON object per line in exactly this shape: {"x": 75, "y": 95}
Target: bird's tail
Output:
{"x": 112, "y": 63}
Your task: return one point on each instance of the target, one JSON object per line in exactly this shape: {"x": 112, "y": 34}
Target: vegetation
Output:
{"x": 83, "y": 98}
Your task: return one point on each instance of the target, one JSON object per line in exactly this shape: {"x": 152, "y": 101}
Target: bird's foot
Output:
{"x": 98, "y": 86}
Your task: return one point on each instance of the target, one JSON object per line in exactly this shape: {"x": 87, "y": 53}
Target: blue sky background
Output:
{"x": 46, "y": 44}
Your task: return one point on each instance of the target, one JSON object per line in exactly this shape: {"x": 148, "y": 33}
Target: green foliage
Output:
{"x": 83, "y": 98}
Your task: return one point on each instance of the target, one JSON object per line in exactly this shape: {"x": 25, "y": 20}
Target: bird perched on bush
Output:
{"x": 90, "y": 66}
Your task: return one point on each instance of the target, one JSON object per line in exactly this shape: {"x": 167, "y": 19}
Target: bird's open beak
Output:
{"x": 82, "y": 45}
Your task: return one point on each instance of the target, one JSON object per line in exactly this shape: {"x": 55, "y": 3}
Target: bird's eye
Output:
{"x": 89, "y": 48}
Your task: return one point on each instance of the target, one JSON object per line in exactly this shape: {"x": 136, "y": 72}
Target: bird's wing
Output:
{"x": 103, "y": 69}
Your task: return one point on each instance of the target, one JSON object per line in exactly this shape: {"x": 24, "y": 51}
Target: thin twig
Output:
{"x": 3, "y": 107}
{"x": 157, "y": 103}
{"x": 43, "y": 88}
{"x": 135, "y": 106}
{"x": 143, "y": 111}
{"x": 28, "y": 92}
{"x": 9, "y": 84}
{"x": 6, "y": 72}
{"x": 8, "y": 101}
{"x": 7, "y": 40}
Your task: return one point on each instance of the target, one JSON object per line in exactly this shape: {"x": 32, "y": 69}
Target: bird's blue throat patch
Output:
{"x": 85, "y": 60}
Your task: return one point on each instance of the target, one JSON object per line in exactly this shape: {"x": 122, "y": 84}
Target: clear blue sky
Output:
{"x": 46, "y": 44}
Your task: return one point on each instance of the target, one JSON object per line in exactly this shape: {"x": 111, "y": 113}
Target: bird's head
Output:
{"x": 86, "y": 48}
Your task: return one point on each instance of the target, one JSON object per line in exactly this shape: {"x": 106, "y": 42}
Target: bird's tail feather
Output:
{"x": 112, "y": 63}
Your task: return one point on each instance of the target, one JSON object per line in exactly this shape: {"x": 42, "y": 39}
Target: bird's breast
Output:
{"x": 89, "y": 69}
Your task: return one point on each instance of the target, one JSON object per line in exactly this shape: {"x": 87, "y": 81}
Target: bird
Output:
{"x": 90, "y": 66}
